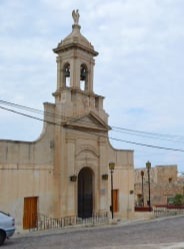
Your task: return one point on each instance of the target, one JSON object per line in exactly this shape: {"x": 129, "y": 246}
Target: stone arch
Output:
{"x": 85, "y": 148}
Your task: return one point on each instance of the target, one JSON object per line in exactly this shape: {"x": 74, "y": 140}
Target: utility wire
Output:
{"x": 145, "y": 132}
{"x": 149, "y": 135}
{"x": 29, "y": 116}
{"x": 96, "y": 134}
{"x": 146, "y": 145}
{"x": 34, "y": 110}
{"x": 59, "y": 117}
{"x": 114, "y": 128}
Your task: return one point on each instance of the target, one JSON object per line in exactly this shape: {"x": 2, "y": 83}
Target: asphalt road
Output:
{"x": 154, "y": 234}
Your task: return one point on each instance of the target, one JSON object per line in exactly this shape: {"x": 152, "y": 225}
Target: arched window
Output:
{"x": 66, "y": 75}
{"x": 83, "y": 77}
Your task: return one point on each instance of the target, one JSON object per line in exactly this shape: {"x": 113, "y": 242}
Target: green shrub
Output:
{"x": 178, "y": 200}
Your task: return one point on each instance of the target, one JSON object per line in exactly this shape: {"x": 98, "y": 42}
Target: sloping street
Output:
{"x": 153, "y": 234}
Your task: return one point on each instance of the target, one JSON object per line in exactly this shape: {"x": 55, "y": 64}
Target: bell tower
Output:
{"x": 74, "y": 95}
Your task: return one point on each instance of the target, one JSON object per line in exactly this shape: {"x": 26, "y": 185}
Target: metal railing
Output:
{"x": 165, "y": 211}
{"x": 46, "y": 223}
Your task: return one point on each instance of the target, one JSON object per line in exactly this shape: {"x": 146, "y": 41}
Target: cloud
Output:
{"x": 139, "y": 69}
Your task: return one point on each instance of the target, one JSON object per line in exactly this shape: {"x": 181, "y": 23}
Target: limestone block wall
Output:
{"x": 26, "y": 170}
{"x": 158, "y": 174}
{"x": 74, "y": 102}
{"x": 164, "y": 183}
{"x": 166, "y": 173}
{"x": 123, "y": 181}
{"x": 26, "y": 181}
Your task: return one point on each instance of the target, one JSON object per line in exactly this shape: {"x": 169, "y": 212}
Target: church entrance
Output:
{"x": 85, "y": 193}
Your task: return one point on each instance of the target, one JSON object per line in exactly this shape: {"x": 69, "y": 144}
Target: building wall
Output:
{"x": 164, "y": 183}
{"x": 26, "y": 170}
{"x": 74, "y": 138}
{"x": 123, "y": 181}
{"x": 30, "y": 170}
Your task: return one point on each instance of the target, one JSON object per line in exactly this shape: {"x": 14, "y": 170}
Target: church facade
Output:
{"x": 65, "y": 172}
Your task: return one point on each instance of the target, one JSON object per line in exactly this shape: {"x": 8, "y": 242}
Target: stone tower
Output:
{"x": 80, "y": 140}
{"x": 74, "y": 95}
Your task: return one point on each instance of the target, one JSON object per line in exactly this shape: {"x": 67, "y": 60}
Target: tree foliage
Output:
{"x": 178, "y": 200}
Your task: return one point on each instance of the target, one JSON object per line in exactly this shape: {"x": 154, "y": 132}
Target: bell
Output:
{"x": 67, "y": 73}
{"x": 83, "y": 75}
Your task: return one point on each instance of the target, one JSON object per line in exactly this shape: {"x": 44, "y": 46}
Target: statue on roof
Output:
{"x": 75, "y": 15}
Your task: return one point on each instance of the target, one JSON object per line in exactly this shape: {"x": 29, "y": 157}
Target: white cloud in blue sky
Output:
{"x": 139, "y": 69}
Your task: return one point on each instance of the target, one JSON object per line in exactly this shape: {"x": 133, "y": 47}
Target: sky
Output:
{"x": 139, "y": 69}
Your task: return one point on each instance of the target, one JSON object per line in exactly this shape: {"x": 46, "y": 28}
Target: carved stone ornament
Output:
{"x": 75, "y": 15}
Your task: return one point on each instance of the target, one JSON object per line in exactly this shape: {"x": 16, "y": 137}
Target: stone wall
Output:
{"x": 164, "y": 183}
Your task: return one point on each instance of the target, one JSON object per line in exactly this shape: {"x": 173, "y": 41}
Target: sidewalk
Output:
{"x": 70, "y": 229}
{"x": 67, "y": 229}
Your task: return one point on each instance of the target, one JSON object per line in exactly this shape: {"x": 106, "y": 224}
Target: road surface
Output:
{"x": 167, "y": 233}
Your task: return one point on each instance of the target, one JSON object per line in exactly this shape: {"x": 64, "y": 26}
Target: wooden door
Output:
{"x": 30, "y": 212}
{"x": 115, "y": 200}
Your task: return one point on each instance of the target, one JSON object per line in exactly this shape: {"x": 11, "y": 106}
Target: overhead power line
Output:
{"x": 154, "y": 134}
{"x": 28, "y": 116}
{"x": 147, "y": 145}
{"x": 96, "y": 134}
{"x": 114, "y": 128}
{"x": 157, "y": 136}
{"x": 34, "y": 110}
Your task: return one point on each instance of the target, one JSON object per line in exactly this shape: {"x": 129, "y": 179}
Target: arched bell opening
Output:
{"x": 85, "y": 193}
{"x": 66, "y": 71}
{"x": 83, "y": 77}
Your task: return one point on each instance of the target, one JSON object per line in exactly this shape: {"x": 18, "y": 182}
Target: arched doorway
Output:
{"x": 85, "y": 193}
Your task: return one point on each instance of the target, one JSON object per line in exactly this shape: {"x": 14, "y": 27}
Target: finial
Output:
{"x": 75, "y": 15}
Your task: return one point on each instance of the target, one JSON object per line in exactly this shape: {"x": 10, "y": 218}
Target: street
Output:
{"x": 153, "y": 234}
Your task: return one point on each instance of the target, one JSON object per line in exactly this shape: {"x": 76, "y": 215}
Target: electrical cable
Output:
{"x": 158, "y": 136}
{"x": 121, "y": 129}
{"x": 97, "y": 134}
{"x": 60, "y": 117}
